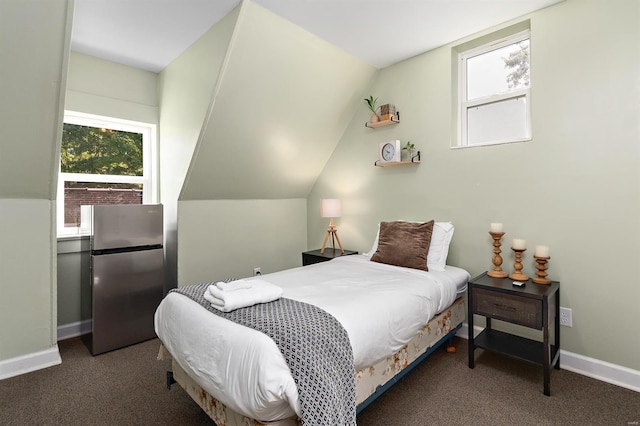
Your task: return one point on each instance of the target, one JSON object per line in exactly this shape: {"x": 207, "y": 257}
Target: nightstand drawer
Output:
{"x": 506, "y": 307}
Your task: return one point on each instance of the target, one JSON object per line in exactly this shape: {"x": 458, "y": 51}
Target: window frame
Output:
{"x": 149, "y": 164}
{"x": 464, "y": 105}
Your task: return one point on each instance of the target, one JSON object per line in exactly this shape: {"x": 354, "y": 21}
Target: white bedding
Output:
{"x": 381, "y": 307}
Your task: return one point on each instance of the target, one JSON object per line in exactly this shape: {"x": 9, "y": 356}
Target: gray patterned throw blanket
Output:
{"x": 315, "y": 346}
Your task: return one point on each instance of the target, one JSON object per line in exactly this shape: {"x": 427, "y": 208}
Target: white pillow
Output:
{"x": 438, "y": 248}
{"x": 371, "y": 252}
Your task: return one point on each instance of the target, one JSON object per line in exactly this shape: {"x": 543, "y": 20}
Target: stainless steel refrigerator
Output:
{"x": 126, "y": 273}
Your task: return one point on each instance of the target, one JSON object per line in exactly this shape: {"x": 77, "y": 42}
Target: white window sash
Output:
{"x": 464, "y": 104}
{"x": 148, "y": 164}
{"x": 80, "y": 177}
{"x": 497, "y": 98}
{"x": 498, "y": 44}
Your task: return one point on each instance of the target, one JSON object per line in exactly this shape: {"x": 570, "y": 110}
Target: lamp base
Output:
{"x": 333, "y": 232}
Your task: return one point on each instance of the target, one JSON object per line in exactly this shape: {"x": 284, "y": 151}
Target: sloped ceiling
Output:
{"x": 32, "y": 76}
{"x": 282, "y": 101}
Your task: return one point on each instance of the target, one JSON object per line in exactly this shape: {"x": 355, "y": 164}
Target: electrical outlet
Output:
{"x": 256, "y": 271}
{"x": 565, "y": 317}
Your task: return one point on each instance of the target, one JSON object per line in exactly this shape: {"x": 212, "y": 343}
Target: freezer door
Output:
{"x": 126, "y": 290}
{"x": 126, "y": 225}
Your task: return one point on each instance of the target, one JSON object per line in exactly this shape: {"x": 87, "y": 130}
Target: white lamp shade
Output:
{"x": 331, "y": 207}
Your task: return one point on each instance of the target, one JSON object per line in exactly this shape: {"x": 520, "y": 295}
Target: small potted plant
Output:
{"x": 372, "y": 104}
{"x": 409, "y": 148}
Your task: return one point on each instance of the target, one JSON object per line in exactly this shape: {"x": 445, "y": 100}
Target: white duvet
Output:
{"x": 381, "y": 307}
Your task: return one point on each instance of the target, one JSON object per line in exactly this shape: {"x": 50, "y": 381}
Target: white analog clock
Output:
{"x": 390, "y": 151}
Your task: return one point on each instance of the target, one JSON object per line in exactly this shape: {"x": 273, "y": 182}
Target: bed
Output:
{"x": 394, "y": 316}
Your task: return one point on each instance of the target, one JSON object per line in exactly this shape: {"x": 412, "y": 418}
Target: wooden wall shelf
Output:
{"x": 414, "y": 160}
{"x": 393, "y": 120}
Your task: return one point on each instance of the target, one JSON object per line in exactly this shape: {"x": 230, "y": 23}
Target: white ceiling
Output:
{"x": 149, "y": 34}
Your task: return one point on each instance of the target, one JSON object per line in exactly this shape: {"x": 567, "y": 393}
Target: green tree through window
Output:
{"x": 91, "y": 150}
{"x": 518, "y": 63}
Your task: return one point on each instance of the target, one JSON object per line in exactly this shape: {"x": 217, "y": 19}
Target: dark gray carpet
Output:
{"x": 127, "y": 387}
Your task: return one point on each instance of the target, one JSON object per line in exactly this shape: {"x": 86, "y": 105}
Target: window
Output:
{"x": 103, "y": 161}
{"x": 494, "y": 90}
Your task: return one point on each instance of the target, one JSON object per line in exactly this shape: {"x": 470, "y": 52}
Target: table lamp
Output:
{"x": 331, "y": 207}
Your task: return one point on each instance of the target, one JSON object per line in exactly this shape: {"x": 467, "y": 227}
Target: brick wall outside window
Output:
{"x": 76, "y": 197}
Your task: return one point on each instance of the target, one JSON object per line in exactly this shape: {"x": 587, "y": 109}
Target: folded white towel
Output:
{"x": 260, "y": 292}
{"x": 234, "y": 285}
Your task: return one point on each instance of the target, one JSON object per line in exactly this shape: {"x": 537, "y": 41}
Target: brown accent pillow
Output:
{"x": 404, "y": 244}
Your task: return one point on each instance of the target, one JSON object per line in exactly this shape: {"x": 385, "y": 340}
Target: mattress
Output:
{"x": 380, "y": 306}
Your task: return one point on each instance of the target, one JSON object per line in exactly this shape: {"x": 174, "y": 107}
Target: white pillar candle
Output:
{"x": 541, "y": 251}
{"x": 518, "y": 244}
{"x": 496, "y": 227}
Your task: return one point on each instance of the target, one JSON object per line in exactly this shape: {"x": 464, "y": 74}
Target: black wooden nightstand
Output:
{"x": 533, "y": 305}
{"x": 314, "y": 256}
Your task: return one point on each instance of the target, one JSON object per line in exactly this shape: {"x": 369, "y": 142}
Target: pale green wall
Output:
{"x": 97, "y": 86}
{"x": 575, "y": 187}
{"x": 221, "y": 239}
{"x": 34, "y": 60}
{"x": 34, "y": 40}
{"x": 71, "y": 283}
{"x": 185, "y": 90}
{"x": 27, "y": 285}
{"x": 281, "y": 104}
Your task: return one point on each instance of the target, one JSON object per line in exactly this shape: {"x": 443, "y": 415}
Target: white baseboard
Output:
{"x": 590, "y": 367}
{"x": 30, "y": 362}
{"x": 600, "y": 370}
{"x": 463, "y": 333}
{"x": 74, "y": 329}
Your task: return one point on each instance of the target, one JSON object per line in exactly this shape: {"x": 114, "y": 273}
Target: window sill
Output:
{"x": 72, "y": 237}
{"x": 490, "y": 144}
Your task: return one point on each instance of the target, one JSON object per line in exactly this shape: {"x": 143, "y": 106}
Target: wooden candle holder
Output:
{"x": 497, "y": 271}
{"x": 517, "y": 274}
{"x": 541, "y": 273}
